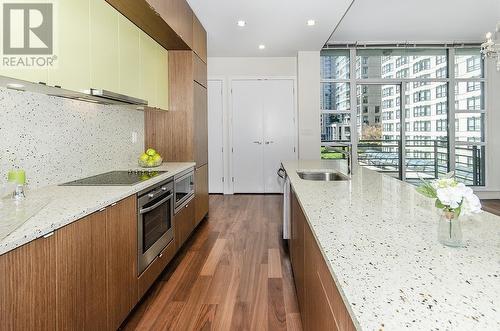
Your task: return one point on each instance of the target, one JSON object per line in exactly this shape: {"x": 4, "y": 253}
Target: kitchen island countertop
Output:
{"x": 71, "y": 203}
{"x": 378, "y": 237}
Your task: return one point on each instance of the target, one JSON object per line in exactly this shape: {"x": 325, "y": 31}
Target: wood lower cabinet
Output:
{"x": 121, "y": 260}
{"x": 201, "y": 193}
{"x": 28, "y": 287}
{"x": 321, "y": 305}
{"x": 184, "y": 223}
{"x": 81, "y": 274}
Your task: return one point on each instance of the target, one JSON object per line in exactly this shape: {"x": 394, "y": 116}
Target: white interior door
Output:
{"x": 247, "y": 132}
{"x": 215, "y": 137}
{"x": 279, "y": 130}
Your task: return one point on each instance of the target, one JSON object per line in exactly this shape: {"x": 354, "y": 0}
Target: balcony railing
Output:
{"x": 423, "y": 158}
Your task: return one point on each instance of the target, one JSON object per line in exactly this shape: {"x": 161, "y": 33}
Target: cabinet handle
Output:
{"x": 257, "y": 142}
{"x": 50, "y": 234}
{"x": 186, "y": 205}
{"x": 102, "y": 209}
{"x": 113, "y": 204}
{"x": 161, "y": 255}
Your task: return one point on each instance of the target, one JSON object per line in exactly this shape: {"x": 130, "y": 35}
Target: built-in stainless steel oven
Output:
{"x": 154, "y": 222}
{"x": 184, "y": 188}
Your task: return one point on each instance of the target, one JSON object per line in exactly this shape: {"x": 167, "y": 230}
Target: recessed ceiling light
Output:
{"x": 311, "y": 22}
{"x": 241, "y": 23}
{"x": 261, "y": 46}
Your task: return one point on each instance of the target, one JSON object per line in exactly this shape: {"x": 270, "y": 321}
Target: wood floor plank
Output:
{"x": 233, "y": 274}
{"x": 213, "y": 258}
{"x": 276, "y": 315}
{"x": 274, "y": 263}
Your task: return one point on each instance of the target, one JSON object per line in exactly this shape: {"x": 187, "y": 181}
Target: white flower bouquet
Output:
{"x": 451, "y": 196}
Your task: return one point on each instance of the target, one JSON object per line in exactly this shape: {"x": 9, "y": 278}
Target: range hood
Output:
{"x": 98, "y": 96}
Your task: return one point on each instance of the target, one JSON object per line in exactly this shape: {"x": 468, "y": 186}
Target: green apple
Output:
{"x": 151, "y": 152}
{"x": 144, "y": 157}
{"x": 150, "y": 163}
{"x": 157, "y": 158}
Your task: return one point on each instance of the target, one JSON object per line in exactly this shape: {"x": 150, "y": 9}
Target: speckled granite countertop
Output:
{"x": 70, "y": 203}
{"x": 379, "y": 238}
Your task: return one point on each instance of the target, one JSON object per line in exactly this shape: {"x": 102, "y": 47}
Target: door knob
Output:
{"x": 257, "y": 142}
{"x": 269, "y": 142}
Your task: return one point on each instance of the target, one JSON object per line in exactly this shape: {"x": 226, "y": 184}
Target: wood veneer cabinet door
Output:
{"x": 297, "y": 250}
{"x": 121, "y": 240}
{"x": 178, "y": 15}
{"x": 199, "y": 71}
{"x": 28, "y": 287}
{"x": 81, "y": 274}
{"x": 200, "y": 118}
{"x": 184, "y": 223}
{"x": 201, "y": 193}
{"x": 199, "y": 39}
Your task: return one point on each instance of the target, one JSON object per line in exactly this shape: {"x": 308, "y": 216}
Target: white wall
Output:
{"x": 308, "y": 82}
{"x": 57, "y": 140}
{"x": 229, "y": 68}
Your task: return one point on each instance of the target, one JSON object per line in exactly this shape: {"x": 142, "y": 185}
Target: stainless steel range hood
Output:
{"x": 116, "y": 98}
{"x": 92, "y": 95}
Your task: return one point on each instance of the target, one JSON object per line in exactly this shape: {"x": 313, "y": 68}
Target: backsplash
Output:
{"x": 57, "y": 140}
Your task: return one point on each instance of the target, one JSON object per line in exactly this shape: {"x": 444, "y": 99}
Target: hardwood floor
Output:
{"x": 492, "y": 206}
{"x": 233, "y": 274}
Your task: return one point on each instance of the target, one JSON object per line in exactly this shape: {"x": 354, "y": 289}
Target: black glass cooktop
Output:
{"x": 116, "y": 178}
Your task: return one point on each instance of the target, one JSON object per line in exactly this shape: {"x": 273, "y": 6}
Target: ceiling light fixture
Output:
{"x": 241, "y": 23}
{"x": 261, "y": 46}
{"x": 311, "y": 22}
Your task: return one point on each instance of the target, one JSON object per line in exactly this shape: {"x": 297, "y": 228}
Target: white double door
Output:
{"x": 264, "y": 133}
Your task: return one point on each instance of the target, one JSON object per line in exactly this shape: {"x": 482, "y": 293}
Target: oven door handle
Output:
{"x": 145, "y": 210}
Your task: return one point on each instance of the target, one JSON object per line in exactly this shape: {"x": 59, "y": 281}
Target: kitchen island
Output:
{"x": 378, "y": 238}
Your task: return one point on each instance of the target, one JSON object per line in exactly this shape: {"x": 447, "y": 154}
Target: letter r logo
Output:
{"x": 27, "y": 28}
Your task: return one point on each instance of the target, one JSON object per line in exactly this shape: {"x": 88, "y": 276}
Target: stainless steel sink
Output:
{"x": 322, "y": 176}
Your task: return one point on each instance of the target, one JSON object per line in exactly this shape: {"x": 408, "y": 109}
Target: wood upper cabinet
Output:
{"x": 184, "y": 223}
{"x": 81, "y": 274}
{"x": 178, "y": 15}
{"x": 199, "y": 39}
{"x": 121, "y": 260}
{"x": 104, "y": 38}
{"x": 200, "y": 118}
{"x": 28, "y": 286}
{"x": 72, "y": 71}
{"x": 199, "y": 71}
{"x": 201, "y": 193}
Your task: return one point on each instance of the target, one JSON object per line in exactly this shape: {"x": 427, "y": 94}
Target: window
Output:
{"x": 473, "y": 103}
{"x": 440, "y": 59}
{"x": 334, "y": 64}
{"x": 457, "y": 125}
{"x": 377, "y": 109}
{"x": 422, "y": 126}
{"x": 365, "y": 109}
{"x": 377, "y": 119}
{"x": 388, "y": 91}
{"x": 473, "y": 86}
{"x": 335, "y": 96}
{"x": 424, "y": 95}
{"x": 387, "y": 103}
{"x": 407, "y": 129}
{"x": 403, "y": 73}
{"x": 441, "y": 125}
{"x": 441, "y": 91}
{"x": 474, "y": 124}
{"x": 387, "y": 115}
{"x": 421, "y": 111}
{"x": 424, "y": 64}
{"x": 441, "y": 108}
{"x": 401, "y": 61}
{"x": 418, "y": 84}
{"x": 473, "y": 63}
{"x": 386, "y": 68}
{"x": 388, "y": 127}
{"x": 441, "y": 72}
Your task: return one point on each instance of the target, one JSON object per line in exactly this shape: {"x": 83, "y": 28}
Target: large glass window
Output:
{"x": 420, "y": 85}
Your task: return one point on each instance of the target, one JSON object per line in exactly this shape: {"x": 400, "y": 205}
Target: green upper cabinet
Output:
{"x": 162, "y": 78}
{"x": 149, "y": 69}
{"x": 129, "y": 58}
{"x": 72, "y": 71}
{"x": 104, "y": 39}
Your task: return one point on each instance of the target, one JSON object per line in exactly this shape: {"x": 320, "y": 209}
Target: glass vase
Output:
{"x": 450, "y": 230}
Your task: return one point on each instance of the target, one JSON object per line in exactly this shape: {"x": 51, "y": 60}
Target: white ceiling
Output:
{"x": 278, "y": 24}
{"x": 418, "y": 20}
